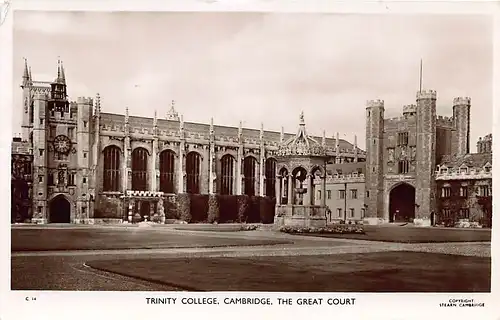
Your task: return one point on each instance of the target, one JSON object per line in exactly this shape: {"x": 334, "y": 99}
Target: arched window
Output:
{"x": 249, "y": 164}
{"x": 111, "y": 170}
{"x": 227, "y": 170}
{"x": 139, "y": 169}
{"x": 193, "y": 163}
{"x": 271, "y": 177}
{"x": 284, "y": 185}
{"x": 167, "y": 171}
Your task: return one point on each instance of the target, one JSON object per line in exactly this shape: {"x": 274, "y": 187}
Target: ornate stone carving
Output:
{"x": 301, "y": 144}
{"x": 391, "y": 155}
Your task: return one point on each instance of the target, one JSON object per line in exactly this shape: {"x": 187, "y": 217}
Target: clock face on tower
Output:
{"x": 62, "y": 144}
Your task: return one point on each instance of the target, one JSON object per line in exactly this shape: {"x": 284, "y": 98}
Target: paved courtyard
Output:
{"x": 170, "y": 258}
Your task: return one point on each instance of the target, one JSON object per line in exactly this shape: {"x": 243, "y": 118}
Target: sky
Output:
{"x": 261, "y": 67}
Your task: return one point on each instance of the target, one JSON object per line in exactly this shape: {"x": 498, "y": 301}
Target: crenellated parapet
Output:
{"x": 85, "y": 100}
{"x": 469, "y": 174}
{"x": 444, "y": 122}
{"x": 345, "y": 178}
{"x": 410, "y": 108}
{"x": 377, "y": 103}
{"x": 459, "y": 101}
{"x": 427, "y": 94}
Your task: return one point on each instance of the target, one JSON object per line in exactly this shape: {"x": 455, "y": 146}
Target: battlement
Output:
{"x": 375, "y": 103}
{"x": 410, "y": 108}
{"x": 84, "y": 100}
{"x": 426, "y": 94}
{"x": 444, "y": 121}
{"x": 460, "y": 101}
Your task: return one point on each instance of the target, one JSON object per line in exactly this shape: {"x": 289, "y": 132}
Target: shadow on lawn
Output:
{"x": 367, "y": 272}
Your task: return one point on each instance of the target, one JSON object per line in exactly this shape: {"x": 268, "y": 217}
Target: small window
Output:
{"x": 319, "y": 194}
{"x": 41, "y": 152}
{"x": 85, "y": 154}
{"x": 368, "y": 194}
{"x": 403, "y": 139}
{"x": 85, "y": 124}
{"x": 71, "y": 179}
{"x": 50, "y": 178}
{"x": 464, "y": 213}
{"x": 84, "y": 180}
{"x": 463, "y": 192}
{"x": 84, "y": 210}
{"x": 40, "y": 178}
{"x": 329, "y": 194}
{"x": 403, "y": 166}
{"x": 41, "y": 120}
{"x": 484, "y": 191}
{"x": 446, "y": 213}
{"x": 351, "y": 212}
{"x": 354, "y": 194}
{"x": 341, "y": 194}
{"x": 445, "y": 192}
{"x": 62, "y": 114}
{"x": 362, "y": 213}
{"x": 339, "y": 212}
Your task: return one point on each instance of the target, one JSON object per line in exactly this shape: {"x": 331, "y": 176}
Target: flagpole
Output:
{"x": 420, "y": 75}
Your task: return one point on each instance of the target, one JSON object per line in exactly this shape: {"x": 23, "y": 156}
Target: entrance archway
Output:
{"x": 402, "y": 203}
{"x": 59, "y": 210}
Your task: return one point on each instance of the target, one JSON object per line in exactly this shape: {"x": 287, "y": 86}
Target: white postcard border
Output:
{"x": 14, "y": 304}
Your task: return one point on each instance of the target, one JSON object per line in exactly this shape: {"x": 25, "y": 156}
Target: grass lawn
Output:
{"x": 367, "y": 272}
{"x": 413, "y": 235}
{"x": 106, "y": 239}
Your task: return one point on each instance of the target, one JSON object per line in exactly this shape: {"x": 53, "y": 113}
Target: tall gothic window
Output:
{"x": 271, "y": 177}
{"x": 111, "y": 169}
{"x": 139, "y": 169}
{"x": 167, "y": 171}
{"x": 249, "y": 172}
{"x": 227, "y": 170}
{"x": 193, "y": 163}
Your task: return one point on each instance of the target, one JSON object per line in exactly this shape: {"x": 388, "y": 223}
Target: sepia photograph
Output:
{"x": 251, "y": 152}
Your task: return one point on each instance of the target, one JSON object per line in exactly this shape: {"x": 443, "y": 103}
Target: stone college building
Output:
{"x": 72, "y": 158}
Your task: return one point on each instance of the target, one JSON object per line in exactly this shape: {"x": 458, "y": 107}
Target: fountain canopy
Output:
{"x": 301, "y": 144}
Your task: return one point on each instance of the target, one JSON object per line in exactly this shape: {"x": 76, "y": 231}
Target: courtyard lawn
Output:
{"x": 42, "y": 239}
{"x": 413, "y": 234}
{"x": 367, "y": 272}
